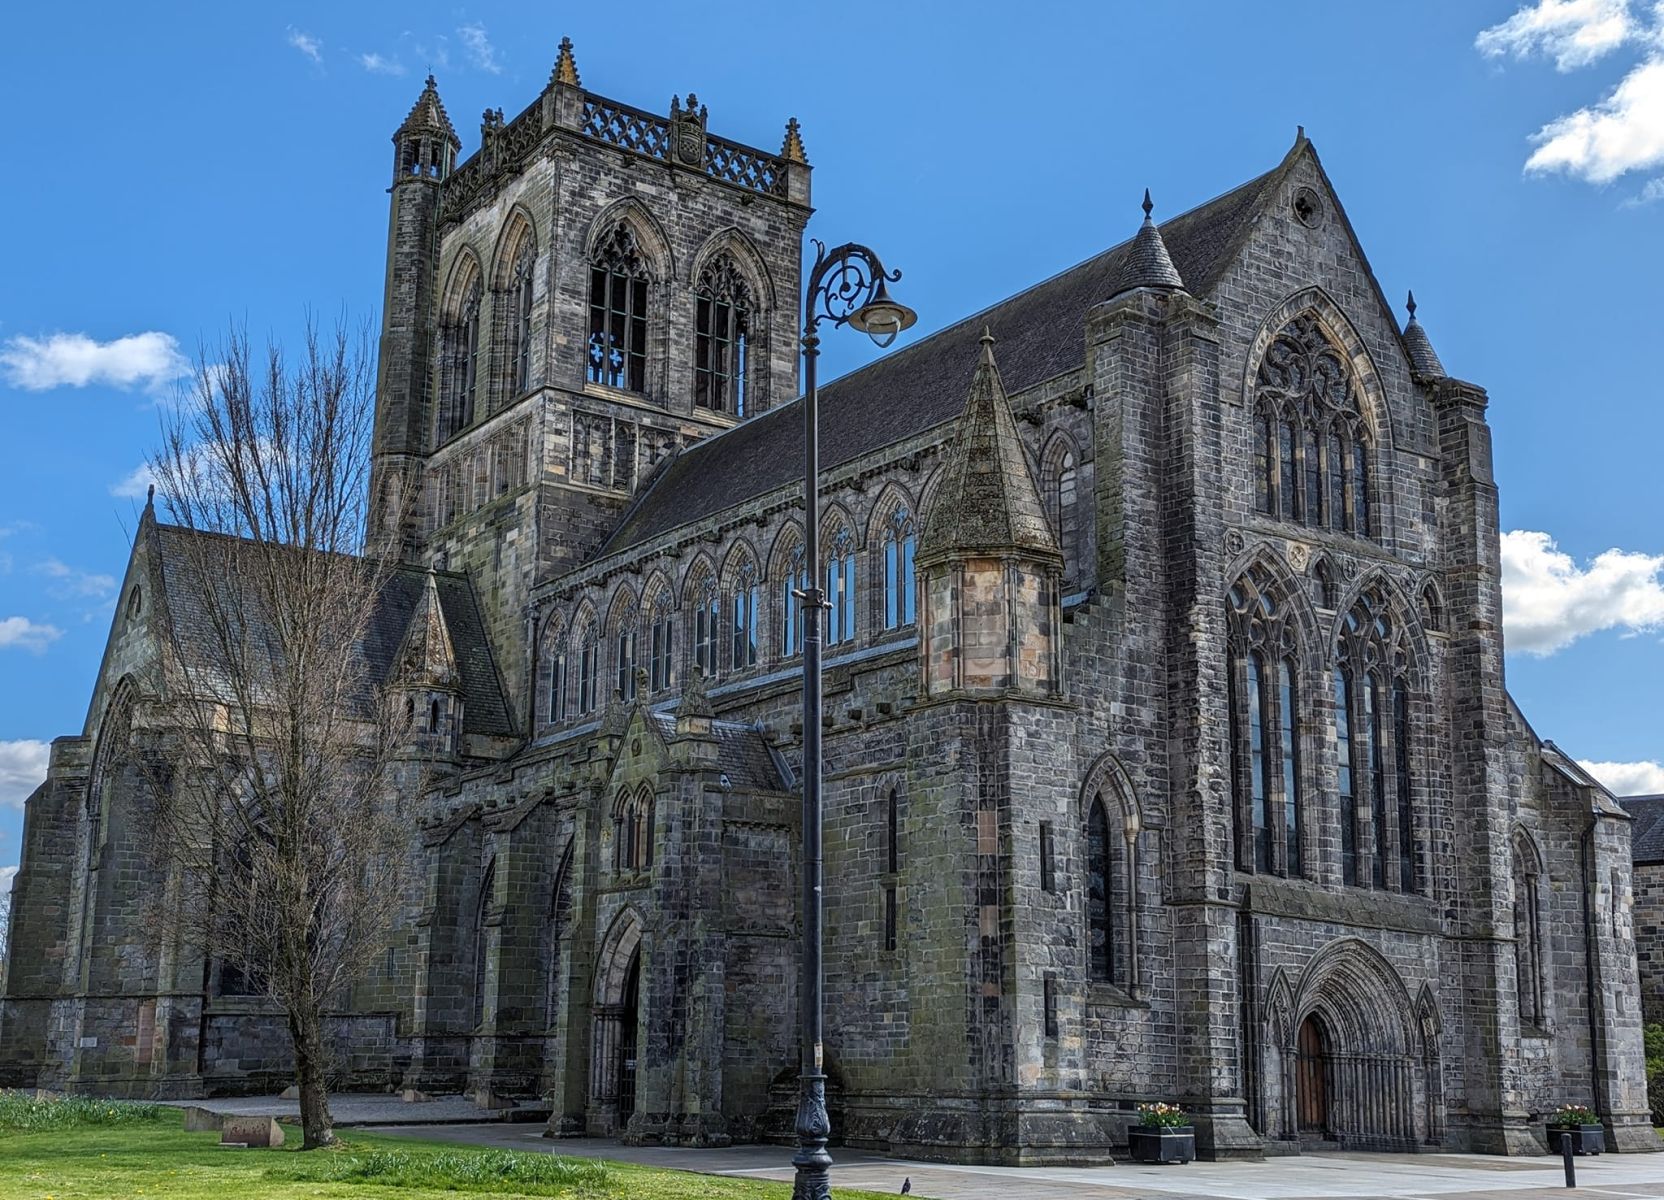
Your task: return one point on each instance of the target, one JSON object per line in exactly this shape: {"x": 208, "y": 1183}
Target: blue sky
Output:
{"x": 173, "y": 167}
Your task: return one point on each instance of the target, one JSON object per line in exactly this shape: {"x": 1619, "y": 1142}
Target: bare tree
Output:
{"x": 279, "y": 817}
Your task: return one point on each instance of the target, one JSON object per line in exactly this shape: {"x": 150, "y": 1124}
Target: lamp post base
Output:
{"x": 813, "y": 1163}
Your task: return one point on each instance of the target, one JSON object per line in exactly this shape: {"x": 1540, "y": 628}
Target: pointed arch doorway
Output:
{"x": 1311, "y": 1079}
{"x": 615, "y": 1044}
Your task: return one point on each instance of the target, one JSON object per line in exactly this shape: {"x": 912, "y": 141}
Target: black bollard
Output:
{"x": 1566, "y": 1136}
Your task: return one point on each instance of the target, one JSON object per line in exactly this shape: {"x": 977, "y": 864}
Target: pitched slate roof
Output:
{"x": 1041, "y": 333}
{"x": 484, "y": 709}
{"x": 1646, "y": 835}
{"x": 988, "y": 502}
{"x": 742, "y": 755}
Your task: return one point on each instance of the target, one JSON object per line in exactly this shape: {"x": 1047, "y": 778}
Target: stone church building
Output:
{"x": 1168, "y": 752}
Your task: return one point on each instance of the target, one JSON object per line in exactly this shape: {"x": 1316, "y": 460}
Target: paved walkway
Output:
{"x": 1306, "y": 1177}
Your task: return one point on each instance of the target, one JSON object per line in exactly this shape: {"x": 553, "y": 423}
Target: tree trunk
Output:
{"x": 306, "y": 1029}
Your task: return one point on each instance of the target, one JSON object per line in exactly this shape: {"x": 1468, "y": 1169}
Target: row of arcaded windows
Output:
{"x": 616, "y": 352}
{"x": 1373, "y": 730}
{"x": 724, "y": 629}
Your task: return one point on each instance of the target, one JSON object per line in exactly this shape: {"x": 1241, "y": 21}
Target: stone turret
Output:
{"x": 424, "y": 150}
{"x": 1147, "y": 264}
{"x": 988, "y": 560}
{"x": 425, "y": 674}
{"x": 1424, "y": 361}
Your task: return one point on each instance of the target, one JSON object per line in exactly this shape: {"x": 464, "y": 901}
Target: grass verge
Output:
{"x": 75, "y": 1149}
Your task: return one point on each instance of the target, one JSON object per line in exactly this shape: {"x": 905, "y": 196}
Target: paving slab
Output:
{"x": 1327, "y": 1176}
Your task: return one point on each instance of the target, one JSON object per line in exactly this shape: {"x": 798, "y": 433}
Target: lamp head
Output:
{"x": 881, "y": 318}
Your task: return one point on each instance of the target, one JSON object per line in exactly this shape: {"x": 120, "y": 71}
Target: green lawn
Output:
{"x": 86, "y": 1150}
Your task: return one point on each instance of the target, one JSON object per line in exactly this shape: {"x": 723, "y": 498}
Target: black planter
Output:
{"x": 1586, "y": 1139}
{"x": 1155, "y": 1144}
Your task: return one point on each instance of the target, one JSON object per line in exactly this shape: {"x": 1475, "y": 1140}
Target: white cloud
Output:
{"x": 1574, "y": 33}
{"x": 22, "y": 767}
{"x": 1624, "y": 132}
{"x": 25, "y": 634}
{"x": 375, "y": 64}
{"x": 72, "y": 581}
{"x": 1627, "y": 778}
{"x": 7, "y": 874}
{"x": 1549, "y": 601}
{"x": 76, "y": 360}
{"x": 136, "y": 485}
{"x": 306, "y": 44}
{"x": 480, "y": 50}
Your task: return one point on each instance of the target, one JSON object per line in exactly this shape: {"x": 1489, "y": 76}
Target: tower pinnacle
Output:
{"x": 1424, "y": 361}
{"x": 1147, "y": 263}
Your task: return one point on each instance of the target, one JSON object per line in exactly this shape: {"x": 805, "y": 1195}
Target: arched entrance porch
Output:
{"x": 1346, "y": 1060}
{"x": 614, "y": 1059}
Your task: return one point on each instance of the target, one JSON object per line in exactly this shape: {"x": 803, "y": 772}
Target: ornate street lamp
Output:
{"x": 846, "y": 287}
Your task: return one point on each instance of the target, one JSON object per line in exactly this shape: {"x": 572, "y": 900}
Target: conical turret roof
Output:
{"x": 428, "y": 115}
{"x": 1424, "y": 360}
{"x": 427, "y": 657}
{"x": 987, "y": 502}
{"x": 1147, "y": 264}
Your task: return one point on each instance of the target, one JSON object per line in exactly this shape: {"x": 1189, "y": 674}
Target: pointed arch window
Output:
{"x": 1061, "y": 487}
{"x": 520, "y": 293}
{"x": 792, "y": 586}
{"x": 633, "y": 831}
{"x": 461, "y": 359}
{"x": 557, "y": 686}
{"x": 625, "y": 641}
{"x": 744, "y": 611}
{"x": 661, "y": 635}
{"x": 840, "y": 588}
{"x": 900, "y": 597}
{"x": 1100, "y": 890}
{"x": 722, "y": 338}
{"x": 1528, "y": 931}
{"x": 706, "y": 609}
{"x": 1265, "y": 726}
{"x": 618, "y": 313}
{"x": 1310, "y": 461}
{"x": 1374, "y": 738}
{"x": 589, "y": 653}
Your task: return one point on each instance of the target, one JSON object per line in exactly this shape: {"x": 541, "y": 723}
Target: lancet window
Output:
{"x": 461, "y": 358}
{"x": 706, "y": 610}
{"x": 743, "y": 604}
{"x": 618, "y": 313}
{"x": 840, "y": 588}
{"x": 520, "y": 296}
{"x": 793, "y": 584}
{"x": 900, "y": 587}
{"x": 1374, "y": 739}
{"x": 1312, "y": 460}
{"x": 1265, "y": 725}
{"x": 633, "y": 817}
{"x": 722, "y": 338}
{"x": 661, "y": 640}
{"x": 589, "y": 654}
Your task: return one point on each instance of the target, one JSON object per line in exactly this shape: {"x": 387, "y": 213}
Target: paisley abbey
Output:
{"x": 1168, "y": 750}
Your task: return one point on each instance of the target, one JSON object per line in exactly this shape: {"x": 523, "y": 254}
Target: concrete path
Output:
{"x": 1306, "y": 1177}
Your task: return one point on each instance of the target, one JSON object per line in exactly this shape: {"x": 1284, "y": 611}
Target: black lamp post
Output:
{"x": 846, "y": 287}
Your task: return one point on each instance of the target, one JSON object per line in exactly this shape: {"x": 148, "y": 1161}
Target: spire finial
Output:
{"x": 1411, "y": 305}
{"x": 566, "y": 67}
{"x": 1149, "y": 205}
{"x": 150, "y": 496}
{"x": 987, "y": 340}
{"x": 792, "y": 148}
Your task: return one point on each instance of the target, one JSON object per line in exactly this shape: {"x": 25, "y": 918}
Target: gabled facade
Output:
{"x": 1168, "y": 752}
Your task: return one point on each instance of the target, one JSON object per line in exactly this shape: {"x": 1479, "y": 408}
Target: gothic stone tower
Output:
{"x": 594, "y": 288}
